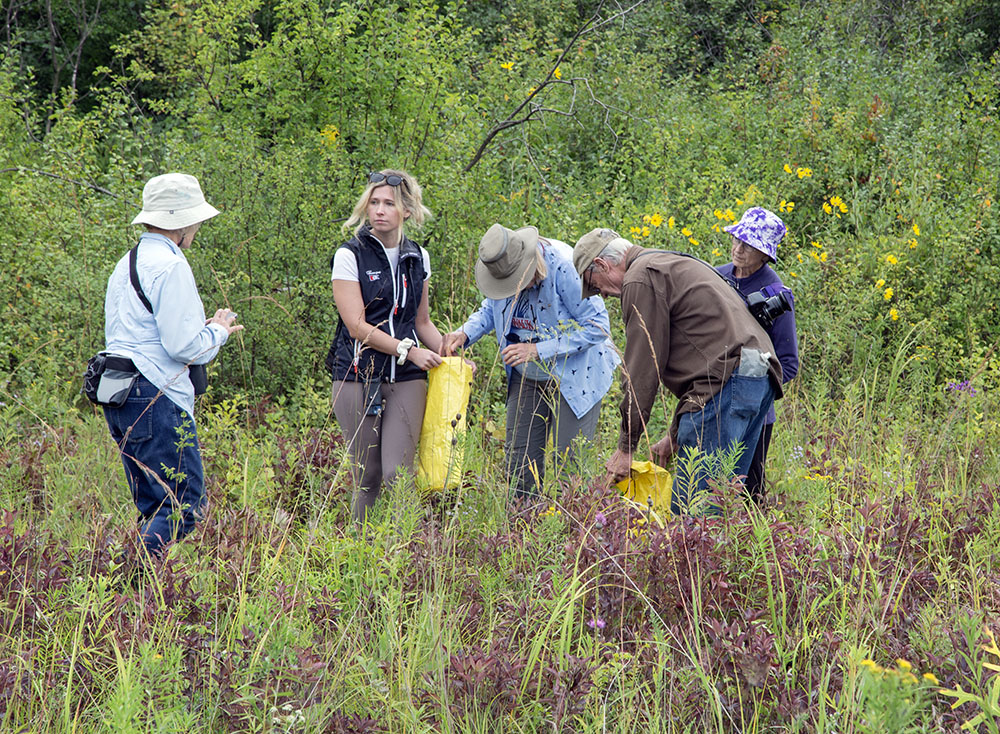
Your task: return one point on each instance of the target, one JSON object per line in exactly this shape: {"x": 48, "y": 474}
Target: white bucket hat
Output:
{"x": 506, "y": 260}
{"x": 173, "y": 201}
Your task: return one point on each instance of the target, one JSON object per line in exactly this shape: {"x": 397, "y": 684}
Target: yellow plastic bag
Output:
{"x": 646, "y": 480}
{"x": 442, "y": 444}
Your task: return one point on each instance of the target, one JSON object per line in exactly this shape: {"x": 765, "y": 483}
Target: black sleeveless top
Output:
{"x": 390, "y": 305}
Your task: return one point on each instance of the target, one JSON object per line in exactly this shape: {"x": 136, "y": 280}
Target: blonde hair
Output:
{"x": 408, "y": 197}
{"x": 541, "y": 269}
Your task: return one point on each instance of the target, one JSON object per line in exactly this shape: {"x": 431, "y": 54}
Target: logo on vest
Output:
{"x": 373, "y": 275}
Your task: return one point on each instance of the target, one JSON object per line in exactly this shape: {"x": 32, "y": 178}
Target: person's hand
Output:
{"x": 425, "y": 359}
{"x": 452, "y": 342}
{"x": 226, "y": 319}
{"x": 663, "y": 450}
{"x": 515, "y": 354}
{"x": 617, "y": 467}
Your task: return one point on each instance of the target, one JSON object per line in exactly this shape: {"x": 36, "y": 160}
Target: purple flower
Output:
{"x": 597, "y": 623}
{"x": 963, "y": 386}
{"x": 600, "y": 520}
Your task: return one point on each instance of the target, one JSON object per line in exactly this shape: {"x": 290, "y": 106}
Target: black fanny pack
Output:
{"x": 109, "y": 379}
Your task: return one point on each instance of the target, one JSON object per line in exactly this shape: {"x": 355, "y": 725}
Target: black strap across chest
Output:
{"x": 133, "y": 275}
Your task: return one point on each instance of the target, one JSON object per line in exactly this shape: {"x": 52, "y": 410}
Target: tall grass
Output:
{"x": 450, "y": 613}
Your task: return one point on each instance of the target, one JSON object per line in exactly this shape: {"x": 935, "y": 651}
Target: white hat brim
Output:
{"x": 176, "y": 218}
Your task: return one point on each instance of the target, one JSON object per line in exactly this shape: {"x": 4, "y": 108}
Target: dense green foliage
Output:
{"x": 685, "y": 111}
{"x": 871, "y": 126}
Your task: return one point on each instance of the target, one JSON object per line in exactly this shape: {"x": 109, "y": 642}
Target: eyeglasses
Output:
{"x": 392, "y": 179}
{"x": 588, "y": 279}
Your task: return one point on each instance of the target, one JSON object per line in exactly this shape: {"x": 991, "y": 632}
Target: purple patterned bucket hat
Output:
{"x": 760, "y": 229}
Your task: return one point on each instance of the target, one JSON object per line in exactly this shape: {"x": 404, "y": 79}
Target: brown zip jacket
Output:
{"x": 684, "y": 328}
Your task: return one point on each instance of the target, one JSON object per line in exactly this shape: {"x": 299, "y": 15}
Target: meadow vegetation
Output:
{"x": 863, "y": 596}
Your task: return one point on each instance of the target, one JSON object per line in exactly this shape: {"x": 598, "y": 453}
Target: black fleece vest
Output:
{"x": 389, "y": 305}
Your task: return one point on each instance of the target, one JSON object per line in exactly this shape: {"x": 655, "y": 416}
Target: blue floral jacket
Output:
{"x": 574, "y": 342}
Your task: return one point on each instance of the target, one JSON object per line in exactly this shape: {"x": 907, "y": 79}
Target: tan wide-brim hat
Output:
{"x": 173, "y": 201}
{"x": 586, "y": 251}
{"x": 507, "y": 260}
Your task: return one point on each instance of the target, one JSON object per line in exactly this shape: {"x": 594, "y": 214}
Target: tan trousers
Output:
{"x": 379, "y": 444}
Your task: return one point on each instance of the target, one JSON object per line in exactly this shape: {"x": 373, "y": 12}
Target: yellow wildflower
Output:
{"x": 686, "y": 232}
{"x": 891, "y": 259}
{"x": 716, "y": 228}
{"x": 786, "y": 206}
{"x": 716, "y": 252}
{"x": 839, "y": 203}
{"x": 557, "y": 73}
{"x": 822, "y": 256}
{"x": 670, "y": 222}
{"x": 330, "y": 134}
{"x": 508, "y": 65}
{"x": 827, "y": 208}
{"x": 814, "y": 243}
{"x": 645, "y": 231}
{"x": 635, "y": 230}
{"x": 931, "y": 678}
{"x": 887, "y": 295}
{"x": 894, "y": 314}
{"x": 656, "y": 220}
{"x": 718, "y": 213}
{"x": 788, "y": 168}
{"x": 799, "y": 256}
{"x": 645, "y": 218}
{"x": 729, "y": 215}
{"x": 916, "y": 229}
{"x": 803, "y": 172}
{"x": 814, "y": 255}
{"x": 739, "y": 202}
{"x": 793, "y": 273}
{"x": 693, "y": 241}
{"x": 880, "y": 282}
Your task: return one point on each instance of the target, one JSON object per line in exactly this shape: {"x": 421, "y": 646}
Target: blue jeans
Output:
{"x": 735, "y": 415}
{"x": 159, "y": 449}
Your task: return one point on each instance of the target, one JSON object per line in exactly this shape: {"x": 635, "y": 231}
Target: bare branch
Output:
{"x": 511, "y": 120}
{"x": 25, "y": 169}
{"x": 531, "y": 159}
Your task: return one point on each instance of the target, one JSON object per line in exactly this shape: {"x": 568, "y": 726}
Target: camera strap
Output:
{"x": 133, "y": 275}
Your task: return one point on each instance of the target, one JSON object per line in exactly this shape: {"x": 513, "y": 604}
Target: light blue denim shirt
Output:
{"x": 163, "y": 343}
{"x": 574, "y": 344}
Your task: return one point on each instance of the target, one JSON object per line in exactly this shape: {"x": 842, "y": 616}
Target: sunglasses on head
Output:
{"x": 392, "y": 179}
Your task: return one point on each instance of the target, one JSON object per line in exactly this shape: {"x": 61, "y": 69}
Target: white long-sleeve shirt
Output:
{"x": 163, "y": 343}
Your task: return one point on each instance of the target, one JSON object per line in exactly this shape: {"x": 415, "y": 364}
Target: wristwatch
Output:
{"x": 403, "y": 348}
